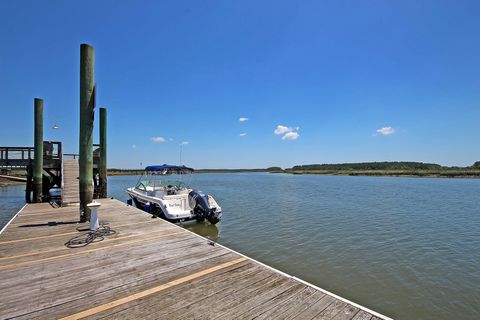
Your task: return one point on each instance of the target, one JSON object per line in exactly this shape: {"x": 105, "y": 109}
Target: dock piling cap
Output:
{"x": 94, "y": 204}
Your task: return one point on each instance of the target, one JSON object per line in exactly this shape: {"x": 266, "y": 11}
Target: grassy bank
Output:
{"x": 121, "y": 172}
{"x": 386, "y": 168}
{"x": 11, "y": 180}
{"x": 394, "y": 173}
{"x": 6, "y": 182}
{"x": 356, "y": 169}
{"x": 395, "y": 169}
{"x": 125, "y": 172}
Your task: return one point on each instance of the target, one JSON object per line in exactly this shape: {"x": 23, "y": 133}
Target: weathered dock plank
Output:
{"x": 70, "y": 181}
{"x": 290, "y": 308}
{"x": 149, "y": 269}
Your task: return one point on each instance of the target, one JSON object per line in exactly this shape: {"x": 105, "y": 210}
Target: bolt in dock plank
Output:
{"x": 149, "y": 269}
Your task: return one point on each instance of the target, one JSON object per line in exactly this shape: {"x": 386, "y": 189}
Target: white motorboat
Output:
{"x": 161, "y": 191}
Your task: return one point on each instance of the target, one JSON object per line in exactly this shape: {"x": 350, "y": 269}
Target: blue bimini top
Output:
{"x": 165, "y": 168}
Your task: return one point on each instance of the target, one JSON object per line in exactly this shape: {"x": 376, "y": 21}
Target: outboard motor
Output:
{"x": 201, "y": 208}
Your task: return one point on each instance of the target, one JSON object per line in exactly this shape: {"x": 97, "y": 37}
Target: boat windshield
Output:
{"x": 145, "y": 184}
{"x": 165, "y": 176}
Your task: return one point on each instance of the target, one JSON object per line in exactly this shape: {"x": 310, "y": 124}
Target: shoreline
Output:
{"x": 373, "y": 173}
{"x": 394, "y": 175}
{"x": 6, "y": 183}
{"x": 13, "y": 180}
{"x": 6, "y": 180}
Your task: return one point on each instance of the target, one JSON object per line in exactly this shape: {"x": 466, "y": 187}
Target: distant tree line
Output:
{"x": 358, "y": 168}
{"x": 386, "y": 165}
{"x": 228, "y": 170}
{"x": 400, "y": 165}
{"x": 115, "y": 171}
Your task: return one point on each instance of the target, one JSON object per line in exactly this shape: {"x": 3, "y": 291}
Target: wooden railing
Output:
{"x": 22, "y": 156}
{"x": 96, "y": 152}
{"x": 71, "y": 155}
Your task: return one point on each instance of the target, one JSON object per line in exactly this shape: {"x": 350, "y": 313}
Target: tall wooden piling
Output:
{"x": 38, "y": 153}
{"x": 102, "y": 166}
{"x": 87, "y": 109}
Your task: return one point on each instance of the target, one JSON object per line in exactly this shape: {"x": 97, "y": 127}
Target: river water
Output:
{"x": 405, "y": 247}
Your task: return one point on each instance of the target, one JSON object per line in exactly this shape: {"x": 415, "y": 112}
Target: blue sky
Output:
{"x": 347, "y": 81}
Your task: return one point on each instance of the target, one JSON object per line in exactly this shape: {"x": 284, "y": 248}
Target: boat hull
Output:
{"x": 174, "y": 209}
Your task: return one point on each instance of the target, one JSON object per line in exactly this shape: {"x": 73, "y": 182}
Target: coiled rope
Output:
{"x": 85, "y": 239}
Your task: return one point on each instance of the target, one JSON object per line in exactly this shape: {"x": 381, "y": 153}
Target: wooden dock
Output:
{"x": 150, "y": 269}
{"x": 70, "y": 186}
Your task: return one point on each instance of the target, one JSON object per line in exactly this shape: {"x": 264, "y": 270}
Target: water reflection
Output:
{"x": 204, "y": 229}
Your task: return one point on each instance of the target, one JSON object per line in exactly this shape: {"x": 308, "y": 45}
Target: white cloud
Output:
{"x": 292, "y": 135}
{"x": 183, "y": 143}
{"x": 289, "y": 133}
{"x": 158, "y": 139}
{"x": 243, "y": 134}
{"x": 282, "y": 129}
{"x": 134, "y": 146}
{"x": 386, "y": 131}
{"x": 242, "y": 119}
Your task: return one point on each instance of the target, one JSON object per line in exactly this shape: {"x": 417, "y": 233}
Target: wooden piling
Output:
{"x": 28, "y": 185}
{"x": 102, "y": 166}
{"x": 87, "y": 108}
{"x": 38, "y": 158}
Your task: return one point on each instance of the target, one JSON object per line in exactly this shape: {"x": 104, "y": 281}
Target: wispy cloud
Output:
{"x": 171, "y": 139}
{"x": 134, "y": 146}
{"x": 183, "y": 143}
{"x": 292, "y": 135}
{"x": 243, "y": 134}
{"x": 243, "y": 119}
{"x": 289, "y": 133}
{"x": 158, "y": 139}
{"x": 386, "y": 131}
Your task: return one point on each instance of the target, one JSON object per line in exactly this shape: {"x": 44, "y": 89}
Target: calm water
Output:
{"x": 12, "y": 199}
{"x": 406, "y": 247}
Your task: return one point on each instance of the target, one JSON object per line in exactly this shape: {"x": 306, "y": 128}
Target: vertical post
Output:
{"x": 60, "y": 154}
{"x": 102, "y": 166}
{"x": 38, "y": 153}
{"x": 28, "y": 189}
{"x": 87, "y": 108}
